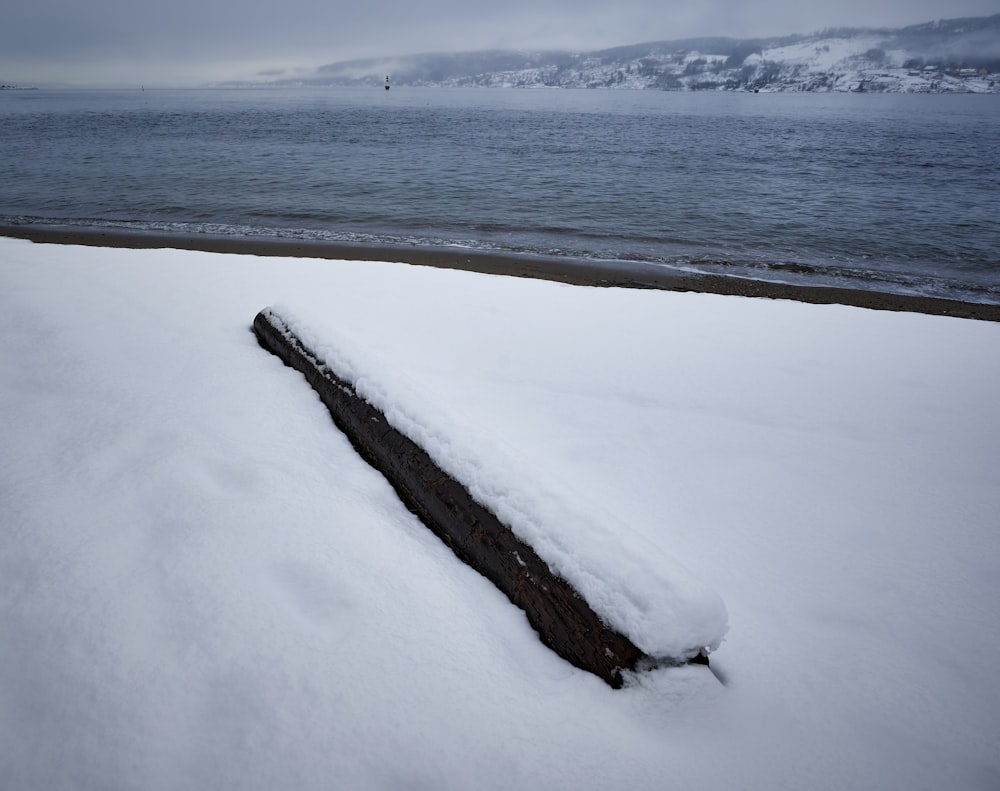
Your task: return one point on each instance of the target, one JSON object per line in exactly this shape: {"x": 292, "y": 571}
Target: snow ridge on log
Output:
{"x": 564, "y": 621}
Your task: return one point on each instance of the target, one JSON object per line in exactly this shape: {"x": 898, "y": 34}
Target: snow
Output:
{"x": 819, "y": 55}
{"x": 202, "y": 585}
{"x": 453, "y": 405}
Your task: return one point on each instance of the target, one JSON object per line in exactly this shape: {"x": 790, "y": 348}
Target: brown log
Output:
{"x": 562, "y": 618}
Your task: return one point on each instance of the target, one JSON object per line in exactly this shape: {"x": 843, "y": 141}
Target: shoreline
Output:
{"x": 580, "y": 272}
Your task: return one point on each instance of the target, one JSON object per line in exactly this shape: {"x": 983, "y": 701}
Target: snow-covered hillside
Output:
{"x": 961, "y": 55}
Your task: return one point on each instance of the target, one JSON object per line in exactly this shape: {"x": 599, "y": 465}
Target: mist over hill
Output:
{"x": 955, "y": 55}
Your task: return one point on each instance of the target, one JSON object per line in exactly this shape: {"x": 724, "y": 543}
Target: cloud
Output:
{"x": 200, "y": 40}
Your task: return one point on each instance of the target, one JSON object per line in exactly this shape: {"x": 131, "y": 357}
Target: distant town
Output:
{"x": 946, "y": 56}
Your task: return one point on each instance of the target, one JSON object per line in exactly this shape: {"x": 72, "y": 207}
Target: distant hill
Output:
{"x": 955, "y": 55}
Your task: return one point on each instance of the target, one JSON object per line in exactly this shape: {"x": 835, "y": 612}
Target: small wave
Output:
{"x": 723, "y": 262}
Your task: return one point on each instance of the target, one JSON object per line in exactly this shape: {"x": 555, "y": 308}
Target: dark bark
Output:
{"x": 562, "y": 618}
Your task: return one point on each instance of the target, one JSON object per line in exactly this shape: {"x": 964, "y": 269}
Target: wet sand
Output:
{"x": 574, "y": 271}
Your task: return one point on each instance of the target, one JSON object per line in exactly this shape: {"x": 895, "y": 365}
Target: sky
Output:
{"x": 188, "y": 42}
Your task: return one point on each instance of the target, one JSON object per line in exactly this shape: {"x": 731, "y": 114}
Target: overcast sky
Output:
{"x": 196, "y": 41}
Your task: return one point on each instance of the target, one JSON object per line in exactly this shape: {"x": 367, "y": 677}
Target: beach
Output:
{"x": 581, "y": 272}
{"x": 204, "y": 585}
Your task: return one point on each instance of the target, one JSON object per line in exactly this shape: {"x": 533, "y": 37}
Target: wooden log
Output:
{"x": 560, "y": 615}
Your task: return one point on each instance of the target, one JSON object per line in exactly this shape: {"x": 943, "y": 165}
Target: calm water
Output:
{"x": 876, "y": 191}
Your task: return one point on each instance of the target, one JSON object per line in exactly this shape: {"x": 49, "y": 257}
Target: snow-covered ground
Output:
{"x": 822, "y": 54}
{"x": 203, "y": 586}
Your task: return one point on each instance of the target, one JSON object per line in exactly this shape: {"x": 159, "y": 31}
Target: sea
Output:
{"x": 888, "y": 192}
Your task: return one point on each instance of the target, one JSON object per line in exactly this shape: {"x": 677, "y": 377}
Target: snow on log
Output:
{"x": 563, "y": 619}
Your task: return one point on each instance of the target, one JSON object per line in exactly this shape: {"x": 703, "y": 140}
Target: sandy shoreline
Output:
{"x": 574, "y": 271}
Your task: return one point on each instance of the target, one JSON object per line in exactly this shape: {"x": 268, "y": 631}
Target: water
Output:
{"x": 888, "y": 192}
